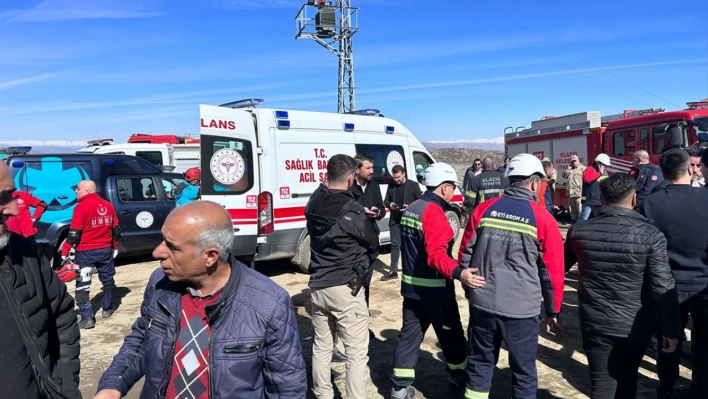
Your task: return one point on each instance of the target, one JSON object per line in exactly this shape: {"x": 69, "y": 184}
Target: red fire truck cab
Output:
{"x": 588, "y": 134}
{"x": 161, "y": 139}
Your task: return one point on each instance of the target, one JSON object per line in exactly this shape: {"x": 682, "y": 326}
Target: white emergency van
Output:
{"x": 179, "y": 157}
{"x": 263, "y": 165}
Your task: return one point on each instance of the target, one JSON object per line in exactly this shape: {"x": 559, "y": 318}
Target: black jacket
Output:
{"x": 625, "y": 287}
{"x": 649, "y": 176}
{"x": 369, "y": 198}
{"x": 44, "y": 313}
{"x": 343, "y": 241}
{"x": 680, "y": 211}
{"x": 411, "y": 192}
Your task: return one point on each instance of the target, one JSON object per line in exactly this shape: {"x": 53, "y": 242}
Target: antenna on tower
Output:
{"x": 333, "y": 26}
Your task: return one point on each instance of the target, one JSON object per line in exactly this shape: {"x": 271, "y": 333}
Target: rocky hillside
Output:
{"x": 462, "y": 158}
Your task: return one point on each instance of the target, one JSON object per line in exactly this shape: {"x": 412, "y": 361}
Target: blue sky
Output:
{"x": 72, "y": 70}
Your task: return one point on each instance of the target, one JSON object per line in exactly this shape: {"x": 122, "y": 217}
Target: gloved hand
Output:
{"x": 115, "y": 253}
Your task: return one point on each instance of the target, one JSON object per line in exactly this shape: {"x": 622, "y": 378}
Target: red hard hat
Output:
{"x": 68, "y": 272}
{"x": 193, "y": 174}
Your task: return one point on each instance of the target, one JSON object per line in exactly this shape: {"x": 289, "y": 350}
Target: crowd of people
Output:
{"x": 211, "y": 327}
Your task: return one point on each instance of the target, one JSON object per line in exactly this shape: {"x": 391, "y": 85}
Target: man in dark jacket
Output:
{"x": 680, "y": 212}
{"x": 209, "y": 326}
{"x": 502, "y": 169}
{"x": 40, "y": 338}
{"x": 368, "y": 193}
{"x": 484, "y": 186}
{"x": 401, "y": 192}
{"x": 516, "y": 245}
{"x": 647, "y": 174}
{"x": 427, "y": 287}
{"x": 625, "y": 289}
{"x": 343, "y": 242}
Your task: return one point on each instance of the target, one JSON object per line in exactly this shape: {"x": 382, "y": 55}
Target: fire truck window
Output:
{"x": 385, "y": 157}
{"x": 422, "y": 161}
{"x": 702, "y": 134}
{"x": 644, "y": 139}
{"x": 662, "y": 141}
{"x": 226, "y": 165}
{"x": 154, "y": 157}
{"x": 623, "y": 143}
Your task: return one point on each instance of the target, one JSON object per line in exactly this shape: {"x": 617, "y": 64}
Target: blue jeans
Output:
{"x": 585, "y": 213}
{"x": 102, "y": 259}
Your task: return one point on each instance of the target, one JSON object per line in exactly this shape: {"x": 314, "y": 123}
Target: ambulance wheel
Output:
{"x": 454, "y": 220}
{"x": 304, "y": 254}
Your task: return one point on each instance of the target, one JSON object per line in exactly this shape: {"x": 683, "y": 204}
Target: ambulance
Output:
{"x": 172, "y": 152}
{"x": 587, "y": 134}
{"x": 263, "y": 165}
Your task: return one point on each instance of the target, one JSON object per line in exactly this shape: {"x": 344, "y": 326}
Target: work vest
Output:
{"x": 419, "y": 281}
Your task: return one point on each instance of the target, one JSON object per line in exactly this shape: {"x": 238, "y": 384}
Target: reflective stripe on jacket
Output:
{"x": 517, "y": 247}
{"x": 426, "y": 251}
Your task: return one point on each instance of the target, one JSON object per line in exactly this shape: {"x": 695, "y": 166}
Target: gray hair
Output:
{"x": 4, "y": 240}
{"x": 220, "y": 236}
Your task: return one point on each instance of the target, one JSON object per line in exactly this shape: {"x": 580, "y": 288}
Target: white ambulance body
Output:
{"x": 179, "y": 156}
{"x": 263, "y": 165}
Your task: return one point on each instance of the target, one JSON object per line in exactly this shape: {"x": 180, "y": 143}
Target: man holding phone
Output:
{"x": 400, "y": 193}
{"x": 368, "y": 193}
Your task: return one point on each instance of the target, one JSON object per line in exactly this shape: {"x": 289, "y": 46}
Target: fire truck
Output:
{"x": 587, "y": 134}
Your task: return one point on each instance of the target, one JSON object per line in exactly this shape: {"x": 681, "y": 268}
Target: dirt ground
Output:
{"x": 562, "y": 367}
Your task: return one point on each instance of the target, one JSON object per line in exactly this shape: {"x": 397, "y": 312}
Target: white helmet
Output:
{"x": 439, "y": 173}
{"x": 525, "y": 165}
{"x": 603, "y": 159}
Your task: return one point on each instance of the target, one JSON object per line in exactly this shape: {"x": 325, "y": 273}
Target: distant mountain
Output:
{"x": 50, "y": 146}
{"x": 496, "y": 144}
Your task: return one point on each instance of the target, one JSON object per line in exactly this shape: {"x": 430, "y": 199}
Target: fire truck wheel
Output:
{"x": 303, "y": 255}
{"x": 454, "y": 220}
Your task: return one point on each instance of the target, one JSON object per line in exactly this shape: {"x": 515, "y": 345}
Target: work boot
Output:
{"x": 337, "y": 356}
{"x": 405, "y": 393}
{"x": 390, "y": 276}
{"x": 107, "y": 313}
{"x": 86, "y": 324}
{"x": 457, "y": 384}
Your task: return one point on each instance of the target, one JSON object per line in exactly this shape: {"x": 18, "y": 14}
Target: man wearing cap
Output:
{"x": 647, "y": 174}
{"x": 591, "y": 185}
{"x": 515, "y": 245}
{"x": 427, "y": 286}
{"x": 189, "y": 192}
{"x": 574, "y": 186}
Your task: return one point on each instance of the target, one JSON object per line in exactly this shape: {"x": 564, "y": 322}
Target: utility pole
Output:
{"x": 333, "y": 26}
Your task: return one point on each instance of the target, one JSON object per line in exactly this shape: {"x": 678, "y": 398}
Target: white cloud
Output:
{"x": 53, "y": 143}
{"x": 56, "y": 10}
{"x": 18, "y": 82}
{"x": 496, "y": 140}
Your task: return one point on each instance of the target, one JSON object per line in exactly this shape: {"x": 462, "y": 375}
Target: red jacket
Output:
{"x": 22, "y": 223}
{"x": 518, "y": 249}
{"x": 96, "y": 218}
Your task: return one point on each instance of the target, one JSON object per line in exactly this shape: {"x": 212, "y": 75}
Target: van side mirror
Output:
{"x": 676, "y": 136}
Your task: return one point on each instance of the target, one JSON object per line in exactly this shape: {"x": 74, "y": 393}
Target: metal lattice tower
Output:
{"x": 333, "y": 27}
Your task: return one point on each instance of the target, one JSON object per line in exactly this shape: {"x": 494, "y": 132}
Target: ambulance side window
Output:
{"x": 385, "y": 158}
{"x": 227, "y": 165}
{"x": 422, "y": 161}
{"x": 131, "y": 189}
{"x": 154, "y": 157}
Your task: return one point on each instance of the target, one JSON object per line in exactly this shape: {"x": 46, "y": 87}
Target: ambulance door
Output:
{"x": 229, "y": 172}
